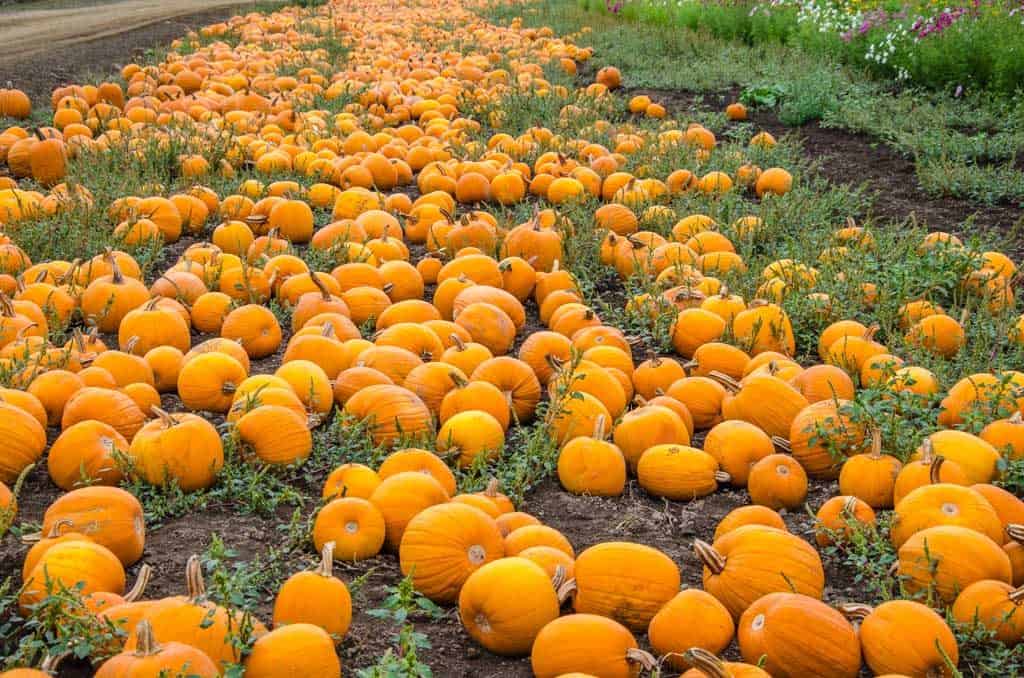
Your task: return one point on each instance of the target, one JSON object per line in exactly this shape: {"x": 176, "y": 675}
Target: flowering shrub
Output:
{"x": 978, "y": 44}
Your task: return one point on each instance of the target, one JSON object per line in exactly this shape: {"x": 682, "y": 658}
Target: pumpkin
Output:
{"x": 400, "y": 497}
{"x": 752, "y": 561}
{"x": 86, "y": 566}
{"x": 904, "y": 637}
{"x": 516, "y": 380}
{"x": 768, "y": 402}
{"x": 948, "y": 558}
{"x": 316, "y": 597}
{"x": 592, "y": 466}
{"x": 587, "y": 644}
{"x": 505, "y": 603}
{"x": 840, "y": 518}
{"x": 109, "y": 516}
{"x": 702, "y": 397}
{"x": 296, "y": 649}
{"x": 354, "y": 525}
{"x": 927, "y": 469}
{"x": 821, "y": 436}
{"x": 976, "y": 458}
{"x": 691, "y": 619}
{"x": 777, "y": 481}
{"x": 194, "y": 620}
{"x": 678, "y": 472}
{"x": 24, "y": 441}
{"x": 420, "y": 461}
{"x": 391, "y": 412}
{"x": 871, "y": 477}
{"x": 736, "y": 446}
{"x": 209, "y": 380}
{"x": 183, "y": 449}
{"x": 470, "y": 434}
{"x": 775, "y": 629}
{"x": 749, "y": 515}
{"x": 994, "y": 605}
{"x": 442, "y": 545}
{"x": 152, "y": 658}
{"x": 646, "y": 427}
{"x": 627, "y": 582}
{"x": 1008, "y": 507}
{"x": 944, "y": 504}
{"x": 276, "y": 435}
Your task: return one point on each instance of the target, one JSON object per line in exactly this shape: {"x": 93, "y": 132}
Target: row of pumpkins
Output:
{"x": 451, "y": 363}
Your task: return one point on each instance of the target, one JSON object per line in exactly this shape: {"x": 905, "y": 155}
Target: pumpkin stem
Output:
{"x": 725, "y": 380}
{"x": 850, "y": 507}
{"x": 129, "y": 347}
{"x": 116, "y": 275}
{"x": 145, "y": 645}
{"x": 558, "y": 578}
{"x": 324, "y": 292}
{"x": 164, "y": 416}
{"x": 493, "y": 485}
{"x": 722, "y": 477}
{"x": 782, "y": 444}
{"x": 566, "y": 591}
{"x": 1015, "y": 531}
{"x": 141, "y": 582}
{"x": 876, "y": 443}
{"x": 457, "y": 340}
{"x": 854, "y": 612}
{"x": 927, "y": 451}
{"x": 645, "y": 659}
{"x": 712, "y": 559}
{"x": 326, "y": 568}
{"x": 1016, "y": 596}
{"x": 704, "y": 661}
{"x": 599, "y": 428}
{"x": 194, "y": 578}
{"x": 1017, "y": 418}
{"x": 639, "y": 400}
{"x": 51, "y": 662}
{"x": 934, "y": 471}
{"x": 690, "y": 364}
{"x": 458, "y": 379}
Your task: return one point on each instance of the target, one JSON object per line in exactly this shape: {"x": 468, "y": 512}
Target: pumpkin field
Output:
{"x": 412, "y": 338}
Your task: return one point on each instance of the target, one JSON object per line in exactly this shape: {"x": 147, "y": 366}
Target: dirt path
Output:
{"x": 44, "y": 48}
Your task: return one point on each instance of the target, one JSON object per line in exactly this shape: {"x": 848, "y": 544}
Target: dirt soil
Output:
{"x": 45, "y": 48}
{"x": 848, "y": 158}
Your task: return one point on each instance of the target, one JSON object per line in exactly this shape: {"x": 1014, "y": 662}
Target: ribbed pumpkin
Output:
{"x": 994, "y": 605}
{"x": 586, "y": 644}
{"x": 691, "y": 619}
{"x": 208, "y": 382}
{"x": 752, "y": 561}
{"x": 592, "y": 466}
{"x": 391, "y": 412}
{"x": 354, "y": 525}
{"x": 276, "y": 435}
{"x": 736, "y": 446}
{"x": 109, "y": 516}
{"x": 925, "y": 470}
{"x": 420, "y": 461}
{"x": 774, "y": 629}
{"x": 821, "y": 436}
{"x": 1008, "y": 507}
{"x": 444, "y": 544}
{"x": 948, "y": 558}
{"x": 944, "y": 504}
{"x": 72, "y": 564}
{"x": 903, "y": 637}
{"x": 505, "y": 603}
{"x": 181, "y": 448}
{"x": 150, "y": 658}
{"x": 400, "y": 497}
{"x": 641, "y": 429}
{"x": 24, "y": 441}
{"x": 624, "y": 581}
{"x": 316, "y": 597}
{"x": 470, "y": 434}
{"x": 768, "y": 402}
{"x": 194, "y": 620}
{"x": 679, "y": 472}
{"x": 294, "y": 650}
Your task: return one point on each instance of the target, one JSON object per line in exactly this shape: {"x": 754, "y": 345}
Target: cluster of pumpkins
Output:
{"x": 431, "y": 353}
